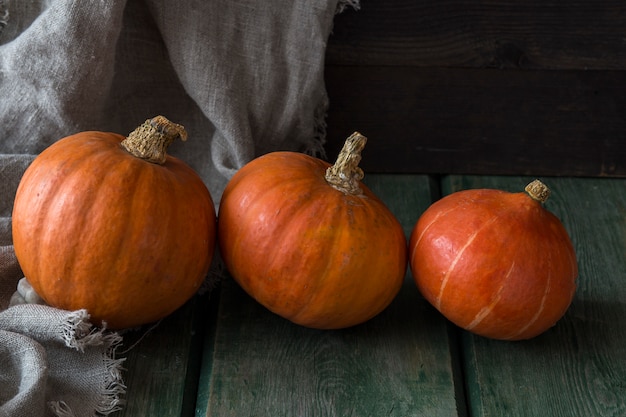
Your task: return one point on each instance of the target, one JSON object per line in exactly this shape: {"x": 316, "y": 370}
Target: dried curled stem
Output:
{"x": 538, "y": 191}
{"x": 151, "y": 140}
{"x": 345, "y": 175}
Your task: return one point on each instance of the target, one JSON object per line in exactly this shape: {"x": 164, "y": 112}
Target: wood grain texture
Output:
{"x": 397, "y": 364}
{"x": 533, "y": 34}
{"x": 163, "y": 363}
{"x": 473, "y": 121}
{"x": 577, "y": 368}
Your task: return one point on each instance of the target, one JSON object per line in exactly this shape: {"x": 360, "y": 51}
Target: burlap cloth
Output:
{"x": 244, "y": 77}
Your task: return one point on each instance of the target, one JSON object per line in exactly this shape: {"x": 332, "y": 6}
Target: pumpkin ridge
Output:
{"x": 313, "y": 285}
{"x": 456, "y": 259}
{"x": 288, "y": 231}
{"x": 287, "y": 175}
{"x": 161, "y": 218}
{"x": 540, "y": 309}
{"x": 376, "y": 211}
{"x": 131, "y": 188}
{"x": 427, "y": 227}
{"x": 85, "y": 232}
{"x": 53, "y": 200}
{"x": 485, "y": 311}
{"x": 78, "y": 222}
{"x": 34, "y": 245}
{"x": 256, "y": 202}
{"x": 329, "y": 270}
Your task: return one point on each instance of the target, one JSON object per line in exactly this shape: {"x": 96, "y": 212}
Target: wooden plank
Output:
{"x": 577, "y": 368}
{"x": 397, "y": 364}
{"x": 532, "y": 34}
{"x": 163, "y": 363}
{"x": 473, "y": 121}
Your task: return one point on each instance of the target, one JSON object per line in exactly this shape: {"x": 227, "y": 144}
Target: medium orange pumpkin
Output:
{"x": 309, "y": 241}
{"x": 495, "y": 263}
{"x": 114, "y": 225}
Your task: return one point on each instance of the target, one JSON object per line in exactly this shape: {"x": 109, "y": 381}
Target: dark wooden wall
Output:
{"x": 531, "y": 87}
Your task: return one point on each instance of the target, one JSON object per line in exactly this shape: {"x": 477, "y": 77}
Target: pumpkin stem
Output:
{"x": 151, "y": 140}
{"x": 345, "y": 174}
{"x": 538, "y": 191}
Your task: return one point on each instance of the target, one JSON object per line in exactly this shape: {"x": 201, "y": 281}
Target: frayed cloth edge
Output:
{"x": 343, "y": 4}
{"x": 60, "y": 409}
{"x": 79, "y": 333}
{"x": 114, "y": 387}
{"x": 316, "y": 146}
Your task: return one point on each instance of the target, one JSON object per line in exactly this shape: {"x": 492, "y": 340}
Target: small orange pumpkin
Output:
{"x": 114, "y": 225}
{"x": 495, "y": 263}
{"x": 309, "y": 241}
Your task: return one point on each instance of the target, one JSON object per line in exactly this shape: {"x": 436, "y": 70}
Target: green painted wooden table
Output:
{"x": 223, "y": 354}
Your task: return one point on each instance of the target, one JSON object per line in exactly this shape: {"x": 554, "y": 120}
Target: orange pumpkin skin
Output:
{"x": 95, "y": 227}
{"x": 495, "y": 263}
{"x": 310, "y": 253}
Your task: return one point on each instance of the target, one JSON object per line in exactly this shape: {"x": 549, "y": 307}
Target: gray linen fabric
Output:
{"x": 40, "y": 345}
{"x": 244, "y": 77}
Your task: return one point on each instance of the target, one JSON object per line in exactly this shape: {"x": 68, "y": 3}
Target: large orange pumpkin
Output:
{"x": 495, "y": 263}
{"x": 114, "y": 225}
{"x": 309, "y": 241}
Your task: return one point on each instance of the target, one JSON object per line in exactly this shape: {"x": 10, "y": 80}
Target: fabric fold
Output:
{"x": 24, "y": 373}
{"x": 63, "y": 363}
{"x": 54, "y": 76}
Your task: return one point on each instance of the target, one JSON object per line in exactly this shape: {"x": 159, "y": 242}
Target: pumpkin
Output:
{"x": 495, "y": 263}
{"x": 309, "y": 241}
{"x": 114, "y": 225}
